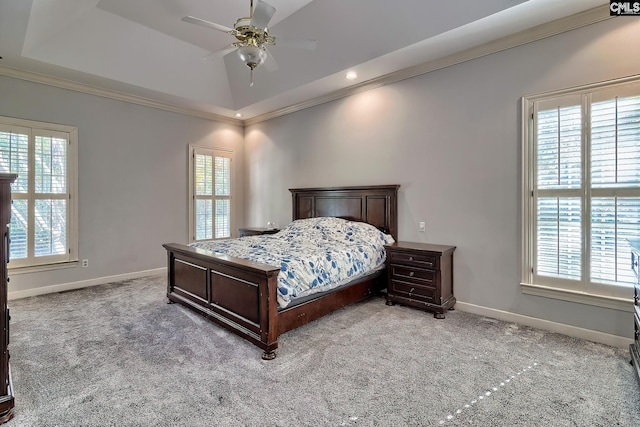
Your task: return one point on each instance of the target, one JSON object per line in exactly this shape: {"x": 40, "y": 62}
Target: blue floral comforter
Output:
{"x": 314, "y": 255}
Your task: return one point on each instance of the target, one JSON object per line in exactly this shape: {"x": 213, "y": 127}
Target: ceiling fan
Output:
{"x": 253, "y": 37}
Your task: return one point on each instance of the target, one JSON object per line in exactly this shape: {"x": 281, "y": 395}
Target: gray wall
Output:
{"x": 451, "y": 138}
{"x": 132, "y": 172}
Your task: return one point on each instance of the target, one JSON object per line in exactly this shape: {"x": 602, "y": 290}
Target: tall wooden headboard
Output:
{"x": 375, "y": 204}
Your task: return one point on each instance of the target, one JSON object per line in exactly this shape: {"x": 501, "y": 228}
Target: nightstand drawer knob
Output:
{"x": 411, "y": 273}
{"x": 410, "y": 258}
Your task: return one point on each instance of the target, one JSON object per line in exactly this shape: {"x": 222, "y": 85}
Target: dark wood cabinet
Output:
{"x": 256, "y": 231}
{"x": 6, "y": 387}
{"x": 420, "y": 275}
{"x": 634, "y": 348}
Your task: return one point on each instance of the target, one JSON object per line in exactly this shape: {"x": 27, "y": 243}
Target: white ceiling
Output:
{"x": 143, "y": 48}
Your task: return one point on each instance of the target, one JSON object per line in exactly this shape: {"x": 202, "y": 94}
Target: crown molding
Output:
{"x": 549, "y": 29}
{"x": 111, "y": 94}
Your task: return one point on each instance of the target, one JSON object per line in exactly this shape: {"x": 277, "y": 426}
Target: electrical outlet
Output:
{"x": 422, "y": 227}
{"x": 85, "y": 263}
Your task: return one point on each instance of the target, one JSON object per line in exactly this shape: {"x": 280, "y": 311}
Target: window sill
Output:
{"x": 622, "y": 304}
{"x": 41, "y": 268}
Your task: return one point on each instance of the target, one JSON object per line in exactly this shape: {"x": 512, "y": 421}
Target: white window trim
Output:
{"x": 527, "y": 284}
{"x": 191, "y": 210}
{"x": 72, "y": 183}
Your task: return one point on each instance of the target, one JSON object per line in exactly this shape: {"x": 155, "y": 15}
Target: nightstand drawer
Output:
{"x": 413, "y": 274}
{"x": 407, "y": 289}
{"x": 420, "y": 260}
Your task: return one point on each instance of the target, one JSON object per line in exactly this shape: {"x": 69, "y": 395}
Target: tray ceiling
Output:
{"x": 142, "y": 48}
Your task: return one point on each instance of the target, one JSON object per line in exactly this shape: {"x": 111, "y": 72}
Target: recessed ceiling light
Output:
{"x": 351, "y": 75}
{"x": 238, "y": 115}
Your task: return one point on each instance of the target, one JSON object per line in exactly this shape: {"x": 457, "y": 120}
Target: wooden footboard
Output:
{"x": 237, "y": 294}
{"x": 241, "y": 295}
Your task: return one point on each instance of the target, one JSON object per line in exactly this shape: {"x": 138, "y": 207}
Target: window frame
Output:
{"x": 584, "y": 291}
{"x": 215, "y": 152}
{"x": 36, "y": 128}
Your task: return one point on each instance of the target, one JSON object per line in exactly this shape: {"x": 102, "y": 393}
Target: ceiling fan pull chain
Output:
{"x": 251, "y": 83}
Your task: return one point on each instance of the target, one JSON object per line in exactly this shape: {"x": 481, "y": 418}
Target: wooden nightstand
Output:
{"x": 421, "y": 275}
{"x": 256, "y": 231}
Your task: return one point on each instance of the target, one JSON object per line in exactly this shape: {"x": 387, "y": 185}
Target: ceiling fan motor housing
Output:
{"x": 248, "y": 34}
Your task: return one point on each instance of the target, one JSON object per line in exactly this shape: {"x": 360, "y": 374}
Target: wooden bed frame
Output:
{"x": 240, "y": 295}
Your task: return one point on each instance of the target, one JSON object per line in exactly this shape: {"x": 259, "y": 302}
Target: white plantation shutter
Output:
{"x": 559, "y": 242}
{"x": 615, "y": 170}
{"x": 582, "y": 189}
{"x": 211, "y": 175}
{"x": 559, "y": 179}
{"x": 51, "y": 195}
{"x": 223, "y": 196}
{"x": 223, "y": 220}
{"x": 203, "y": 196}
{"x": 43, "y": 209}
{"x": 613, "y": 221}
{"x": 559, "y": 164}
{"x": 14, "y": 158}
{"x": 19, "y": 229}
{"x": 615, "y": 133}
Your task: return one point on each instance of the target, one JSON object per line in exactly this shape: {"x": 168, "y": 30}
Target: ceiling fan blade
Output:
{"x": 270, "y": 63}
{"x": 262, "y": 14}
{"x": 219, "y": 54}
{"x": 306, "y": 44}
{"x": 202, "y": 22}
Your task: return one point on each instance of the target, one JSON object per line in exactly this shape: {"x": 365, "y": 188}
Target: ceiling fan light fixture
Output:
{"x": 252, "y": 56}
{"x": 252, "y": 36}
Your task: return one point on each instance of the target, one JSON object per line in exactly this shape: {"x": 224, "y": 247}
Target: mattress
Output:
{"x": 314, "y": 255}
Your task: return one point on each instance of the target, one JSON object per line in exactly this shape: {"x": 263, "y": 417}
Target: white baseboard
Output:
{"x": 561, "y": 328}
{"x": 84, "y": 283}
